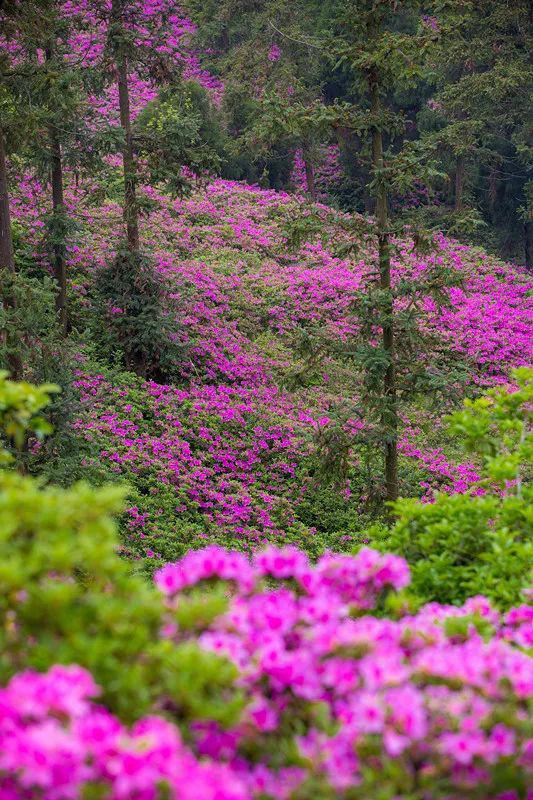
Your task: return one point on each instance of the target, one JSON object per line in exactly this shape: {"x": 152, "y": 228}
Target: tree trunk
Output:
{"x": 7, "y": 262}
{"x": 389, "y": 416}
{"x": 224, "y": 37}
{"x": 459, "y": 183}
{"x": 6, "y": 241}
{"x": 309, "y": 173}
{"x": 528, "y": 244}
{"x": 131, "y": 211}
{"x": 58, "y": 205}
{"x": 58, "y": 209}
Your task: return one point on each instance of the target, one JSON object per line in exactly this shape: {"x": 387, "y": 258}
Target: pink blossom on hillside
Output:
{"x": 228, "y": 440}
{"x": 302, "y": 637}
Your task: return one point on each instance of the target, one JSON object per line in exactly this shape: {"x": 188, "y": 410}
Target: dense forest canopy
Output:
{"x": 265, "y": 400}
{"x": 456, "y": 74}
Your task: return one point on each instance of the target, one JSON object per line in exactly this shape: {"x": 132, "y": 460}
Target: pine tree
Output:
{"x": 48, "y": 91}
{"x": 120, "y": 44}
{"x": 381, "y": 46}
{"x": 369, "y": 53}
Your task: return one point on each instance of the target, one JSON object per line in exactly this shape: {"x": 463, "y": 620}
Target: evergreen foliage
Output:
{"x": 132, "y": 319}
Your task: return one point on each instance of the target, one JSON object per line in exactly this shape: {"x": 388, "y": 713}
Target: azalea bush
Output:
{"x": 218, "y": 459}
{"x": 424, "y": 705}
{"x": 235, "y": 677}
{"x": 339, "y": 703}
{"x": 57, "y": 742}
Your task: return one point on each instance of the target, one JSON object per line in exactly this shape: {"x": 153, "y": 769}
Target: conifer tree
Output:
{"x": 382, "y": 46}
{"x": 370, "y": 52}
{"x": 48, "y": 90}
{"x": 120, "y": 44}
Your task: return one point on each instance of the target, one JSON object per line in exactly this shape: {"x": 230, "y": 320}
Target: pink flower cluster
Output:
{"x": 440, "y": 699}
{"x": 354, "y": 580}
{"x": 54, "y": 741}
{"x": 441, "y": 694}
{"x": 274, "y": 53}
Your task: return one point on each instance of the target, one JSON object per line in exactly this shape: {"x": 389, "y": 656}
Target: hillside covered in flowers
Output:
{"x": 264, "y": 376}
{"x": 265, "y": 401}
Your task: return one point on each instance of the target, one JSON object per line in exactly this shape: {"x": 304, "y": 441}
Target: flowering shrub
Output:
{"x": 56, "y": 743}
{"x": 242, "y": 678}
{"x": 340, "y": 704}
{"x": 421, "y": 706}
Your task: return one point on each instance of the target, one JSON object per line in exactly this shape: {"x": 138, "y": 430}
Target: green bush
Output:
{"x": 132, "y": 320}
{"x": 181, "y": 128}
{"x": 65, "y": 596}
{"x": 478, "y": 542}
{"x": 20, "y": 407}
{"x": 34, "y": 338}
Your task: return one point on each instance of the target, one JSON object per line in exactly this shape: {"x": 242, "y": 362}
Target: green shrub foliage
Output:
{"x": 478, "y": 542}
{"x": 132, "y": 319}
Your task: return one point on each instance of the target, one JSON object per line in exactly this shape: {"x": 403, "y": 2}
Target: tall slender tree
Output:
{"x": 58, "y": 211}
{"x": 389, "y": 416}
{"x": 120, "y": 45}
{"x": 6, "y": 239}
{"x": 138, "y": 47}
{"x": 380, "y": 45}
{"x": 369, "y": 53}
{"x": 7, "y": 262}
{"x": 49, "y": 88}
